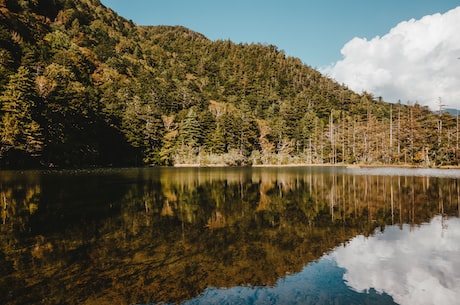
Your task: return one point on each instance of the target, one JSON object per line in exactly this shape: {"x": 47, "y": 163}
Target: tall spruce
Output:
{"x": 19, "y": 129}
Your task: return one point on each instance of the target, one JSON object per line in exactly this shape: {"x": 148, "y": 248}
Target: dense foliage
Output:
{"x": 81, "y": 86}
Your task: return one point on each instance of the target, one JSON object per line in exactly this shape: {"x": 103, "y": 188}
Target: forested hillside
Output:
{"x": 82, "y": 86}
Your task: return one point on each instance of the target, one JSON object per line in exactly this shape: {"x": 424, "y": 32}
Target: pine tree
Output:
{"x": 217, "y": 141}
{"x": 153, "y": 134}
{"x": 191, "y": 133}
{"x": 19, "y": 130}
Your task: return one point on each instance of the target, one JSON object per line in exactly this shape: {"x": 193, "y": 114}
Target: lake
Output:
{"x": 305, "y": 235}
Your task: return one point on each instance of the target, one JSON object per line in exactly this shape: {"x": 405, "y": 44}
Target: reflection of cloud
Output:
{"x": 319, "y": 283}
{"x": 419, "y": 266}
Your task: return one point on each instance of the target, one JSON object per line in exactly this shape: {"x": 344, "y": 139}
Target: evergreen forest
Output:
{"x": 81, "y": 86}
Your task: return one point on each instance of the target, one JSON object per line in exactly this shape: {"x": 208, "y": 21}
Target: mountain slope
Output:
{"x": 80, "y": 85}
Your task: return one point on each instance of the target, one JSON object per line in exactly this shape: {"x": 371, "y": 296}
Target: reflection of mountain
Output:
{"x": 416, "y": 266}
{"x": 167, "y": 234}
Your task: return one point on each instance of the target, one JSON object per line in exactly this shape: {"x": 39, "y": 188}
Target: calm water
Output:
{"x": 230, "y": 236}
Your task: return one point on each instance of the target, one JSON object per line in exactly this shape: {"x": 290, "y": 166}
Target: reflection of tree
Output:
{"x": 18, "y": 202}
{"x": 170, "y": 233}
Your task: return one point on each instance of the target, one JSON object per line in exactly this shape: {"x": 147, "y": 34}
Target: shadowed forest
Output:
{"x": 82, "y": 86}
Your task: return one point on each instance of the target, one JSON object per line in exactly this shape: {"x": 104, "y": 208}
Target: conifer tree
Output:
{"x": 19, "y": 130}
{"x": 190, "y": 129}
{"x": 217, "y": 141}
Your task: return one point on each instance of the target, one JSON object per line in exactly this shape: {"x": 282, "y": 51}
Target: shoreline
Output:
{"x": 222, "y": 165}
{"x": 350, "y": 166}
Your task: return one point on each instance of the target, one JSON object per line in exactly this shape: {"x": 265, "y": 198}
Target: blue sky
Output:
{"x": 337, "y": 37}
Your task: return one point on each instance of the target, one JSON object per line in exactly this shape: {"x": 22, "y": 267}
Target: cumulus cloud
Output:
{"x": 414, "y": 266}
{"x": 417, "y": 61}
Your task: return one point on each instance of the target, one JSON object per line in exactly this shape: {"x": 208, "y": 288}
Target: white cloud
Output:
{"x": 416, "y": 61}
{"x": 414, "y": 266}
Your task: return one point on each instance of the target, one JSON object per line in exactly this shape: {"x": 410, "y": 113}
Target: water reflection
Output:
{"x": 169, "y": 235}
{"x": 414, "y": 265}
{"x": 399, "y": 266}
